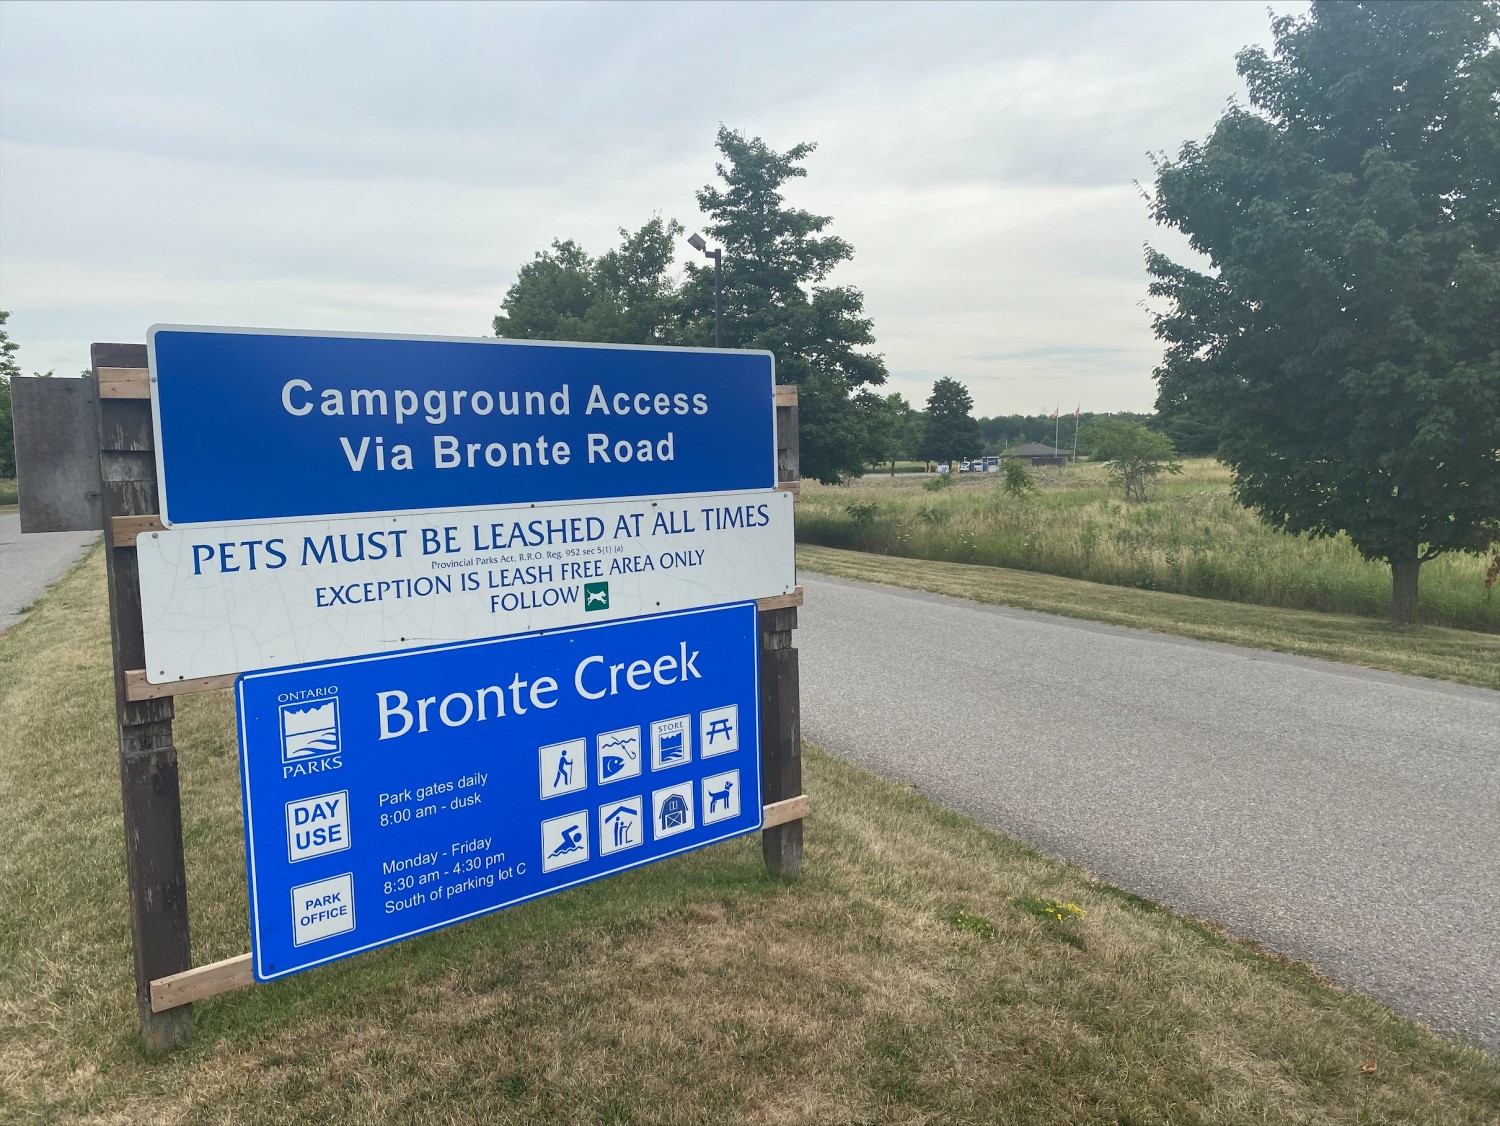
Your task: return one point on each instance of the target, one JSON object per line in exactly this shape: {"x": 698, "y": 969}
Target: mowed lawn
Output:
{"x": 924, "y": 970}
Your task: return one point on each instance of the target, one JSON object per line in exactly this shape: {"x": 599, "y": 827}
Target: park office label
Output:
{"x": 267, "y": 425}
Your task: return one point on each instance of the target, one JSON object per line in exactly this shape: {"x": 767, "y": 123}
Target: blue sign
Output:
{"x": 258, "y": 425}
{"x": 390, "y": 795}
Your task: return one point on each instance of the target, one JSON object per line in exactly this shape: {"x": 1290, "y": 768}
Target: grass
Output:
{"x": 1191, "y": 539}
{"x": 9, "y": 497}
{"x": 916, "y": 974}
{"x": 1443, "y": 654}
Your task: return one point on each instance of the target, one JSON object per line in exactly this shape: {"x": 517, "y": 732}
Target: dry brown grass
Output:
{"x": 696, "y": 990}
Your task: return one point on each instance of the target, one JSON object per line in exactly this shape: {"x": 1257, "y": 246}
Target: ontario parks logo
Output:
{"x": 595, "y": 596}
{"x": 310, "y": 735}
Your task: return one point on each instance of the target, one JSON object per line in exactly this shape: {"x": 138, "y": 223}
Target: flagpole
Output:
{"x": 1076, "y": 412}
{"x": 1056, "y": 425}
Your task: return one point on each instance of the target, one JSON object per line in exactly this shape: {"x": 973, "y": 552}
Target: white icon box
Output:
{"x": 671, "y": 742}
{"x": 619, "y": 754}
{"x": 565, "y": 841}
{"x": 719, "y": 730}
{"x": 721, "y": 797}
{"x": 309, "y": 729}
{"x": 317, "y": 826}
{"x": 564, "y": 767}
{"x": 621, "y": 825}
{"x": 672, "y": 810}
{"x": 322, "y": 909}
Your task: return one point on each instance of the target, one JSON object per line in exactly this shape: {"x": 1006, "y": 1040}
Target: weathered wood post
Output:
{"x": 149, "y": 794}
{"x": 780, "y": 688}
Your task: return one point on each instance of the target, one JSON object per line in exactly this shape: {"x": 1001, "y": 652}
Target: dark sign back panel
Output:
{"x": 362, "y": 829}
{"x": 259, "y": 425}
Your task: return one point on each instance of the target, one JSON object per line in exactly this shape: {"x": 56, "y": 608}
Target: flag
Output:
{"x": 1077, "y": 411}
{"x": 1053, "y": 416}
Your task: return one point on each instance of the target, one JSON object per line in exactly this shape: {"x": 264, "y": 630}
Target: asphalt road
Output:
{"x": 30, "y": 564}
{"x": 1344, "y": 817}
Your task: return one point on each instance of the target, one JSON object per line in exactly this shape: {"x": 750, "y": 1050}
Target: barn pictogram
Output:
{"x": 674, "y": 812}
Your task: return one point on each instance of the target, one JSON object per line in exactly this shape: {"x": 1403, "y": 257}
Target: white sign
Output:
{"x": 219, "y": 599}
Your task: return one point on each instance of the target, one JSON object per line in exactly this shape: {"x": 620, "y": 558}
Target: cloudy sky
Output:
{"x": 388, "y": 167}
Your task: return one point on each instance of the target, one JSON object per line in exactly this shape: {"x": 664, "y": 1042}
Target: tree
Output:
{"x": 1346, "y": 333}
{"x": 1018, "y": 480}
{"x": 776, "y": 259}
{"x": 887, "y": 427}
{"x": 1137, "y": 456}
{"x": 952, "y": 431}
{"x": 1191, "y": 431}
{"x": 551, "y": 296}
{"x": 626, "y": 296}
{"x": 913, "y": 435}
{"x": 9, "y": 369}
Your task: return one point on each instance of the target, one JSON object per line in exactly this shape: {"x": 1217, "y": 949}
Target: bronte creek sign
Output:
{"x": 388, "y": 796}
{"x": 500, "y": 618}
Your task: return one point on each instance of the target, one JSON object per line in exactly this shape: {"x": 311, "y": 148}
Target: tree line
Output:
{"x": 946, "y": 430}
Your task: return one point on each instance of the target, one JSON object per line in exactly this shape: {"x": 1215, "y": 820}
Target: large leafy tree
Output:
{"x": 625, "y": 296}
{"x": 952, "y": 430}
{"x": 777, "y": 260}
{"x": 1346, "y": 334}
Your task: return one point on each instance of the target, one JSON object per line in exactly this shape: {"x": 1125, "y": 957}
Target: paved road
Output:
{"x": 30, "y": 564}
{"x": 1342, "y": 816}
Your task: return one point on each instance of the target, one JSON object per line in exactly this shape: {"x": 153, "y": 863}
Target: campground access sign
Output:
{"x": 263, "y": 425}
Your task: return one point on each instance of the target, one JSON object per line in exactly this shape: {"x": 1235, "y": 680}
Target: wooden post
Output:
{"x": 149, "y": 794}
{"x": 780, "y": 685}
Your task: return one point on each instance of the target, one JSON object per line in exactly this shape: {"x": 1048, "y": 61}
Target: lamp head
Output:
{"x": 695, "y": 240}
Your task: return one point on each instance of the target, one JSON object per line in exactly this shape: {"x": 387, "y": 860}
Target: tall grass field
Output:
{"x": 1191, "y": 538}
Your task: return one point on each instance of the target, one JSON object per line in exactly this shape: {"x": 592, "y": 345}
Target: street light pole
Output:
{"x": 718, "y": 299}
{"x": 695, "y": 240}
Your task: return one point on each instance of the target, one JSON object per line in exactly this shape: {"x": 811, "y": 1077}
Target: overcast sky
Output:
{"x": 388, "y": 167}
